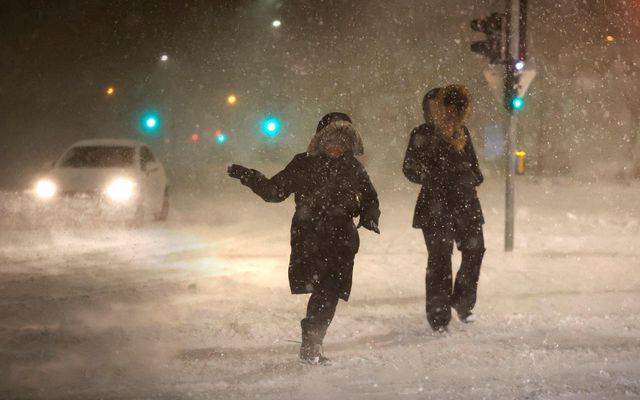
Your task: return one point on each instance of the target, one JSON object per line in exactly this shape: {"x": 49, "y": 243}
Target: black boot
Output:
{"x": 311, "y": 347}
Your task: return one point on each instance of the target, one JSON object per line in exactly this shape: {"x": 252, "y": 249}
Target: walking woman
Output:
{"x": 331, "y": 187}
{"x": 440, "y": 157}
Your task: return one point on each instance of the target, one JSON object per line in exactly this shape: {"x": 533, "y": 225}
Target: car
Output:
{"x": 117, "y": 177}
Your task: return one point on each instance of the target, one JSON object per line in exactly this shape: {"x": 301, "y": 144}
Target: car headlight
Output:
{"x": 45, "y": 188}
{"x": 121, "y": 189}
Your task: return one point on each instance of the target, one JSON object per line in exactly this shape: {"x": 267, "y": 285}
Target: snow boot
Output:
{"x": 440, "y": 331}
{"x": 465, "y": 316}
{"x": 311, "y": 347}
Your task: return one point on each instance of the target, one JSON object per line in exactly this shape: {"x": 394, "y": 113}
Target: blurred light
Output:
{"x": 610, "y": 38}
{"x": 271, "y": 127}
{"x": 521, "y": 153}
{"x": 150, "y": 122}
{"x": 45, "y": 189}
{"x": 517, "y": 103}
{"x": 232, "y": 99}
{"x": 167, "y": 141}
{"x": 195, "y": 137}
{"x": 120, "y": 189}
{"x": 111, "y": 91}
{"x": 276, "y": 23}
{"x": 220, "y": 137}
{"x": 519, "y": 65}
{"x": 164, "y": 58}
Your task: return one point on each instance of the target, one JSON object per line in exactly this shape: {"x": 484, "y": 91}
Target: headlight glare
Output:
{"x": 121, "y": 189}
{"x": 45, "y": 189}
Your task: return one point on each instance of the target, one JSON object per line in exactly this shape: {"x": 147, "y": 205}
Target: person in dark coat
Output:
{"x": 331, "y": 188}
{"x": 441, "y": 158}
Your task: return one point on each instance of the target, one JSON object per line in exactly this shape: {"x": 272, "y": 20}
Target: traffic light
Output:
{"x": 271, "y": 127}
{"x": 221, "y": 138}
{"x": 516, "y": 83}
{"x": 512, "y": 102}
{"x": 517, "y": 103}
{"x": 150, "y": 122}
{"x": 493, "y": 46}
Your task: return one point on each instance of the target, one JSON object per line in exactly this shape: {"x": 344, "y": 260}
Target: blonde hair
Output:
{"x": 449, "y": 110}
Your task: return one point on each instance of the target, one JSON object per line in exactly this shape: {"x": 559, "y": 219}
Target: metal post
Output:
{"x": 514, "y": 30}
{"x": 513, "y": 49}
{"x": 509, "y": 187}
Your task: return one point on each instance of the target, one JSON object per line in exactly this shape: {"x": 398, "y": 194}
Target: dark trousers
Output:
{"x": 320, "y": 311}
{"x": 441, "y": 294}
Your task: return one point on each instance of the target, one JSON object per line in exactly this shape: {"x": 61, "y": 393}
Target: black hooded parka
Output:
{"x": 329, "y": 193}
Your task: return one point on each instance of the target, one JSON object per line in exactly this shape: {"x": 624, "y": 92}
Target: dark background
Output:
{"x": 372, "y": 59}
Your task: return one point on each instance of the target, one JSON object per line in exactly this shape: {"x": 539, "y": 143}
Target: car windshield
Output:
{"x": 98, "y": 157}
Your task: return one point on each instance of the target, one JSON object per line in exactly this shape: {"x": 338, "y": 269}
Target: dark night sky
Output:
{"x": 59, "y": 56}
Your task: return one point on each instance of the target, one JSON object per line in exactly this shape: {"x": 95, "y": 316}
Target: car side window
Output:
{"x": 146, "y": 156}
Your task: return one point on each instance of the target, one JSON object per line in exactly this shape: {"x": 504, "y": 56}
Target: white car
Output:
{"x": 113, "y": 176}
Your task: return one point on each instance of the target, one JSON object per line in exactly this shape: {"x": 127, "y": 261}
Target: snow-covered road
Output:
{"x": 199, "y": 307}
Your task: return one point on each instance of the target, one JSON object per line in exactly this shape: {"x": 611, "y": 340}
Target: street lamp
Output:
{"x": 232, "y": 99}
{"x": 110, "y": 91}
{"x": 164, "y": 58}
{"x": 276, "y": 23}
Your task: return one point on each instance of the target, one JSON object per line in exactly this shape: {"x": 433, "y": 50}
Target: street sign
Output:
{"x": 524, "y": 81}
{"x": 494, "y": 79}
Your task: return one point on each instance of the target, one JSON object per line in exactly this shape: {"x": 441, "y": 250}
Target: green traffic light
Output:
{"x": 271, "y": 127}
{"x": 150, "y": 122}
{"x": 517, "y": 103}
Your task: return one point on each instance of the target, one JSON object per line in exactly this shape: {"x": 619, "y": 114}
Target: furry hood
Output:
{"x": 340, "y": 132}
{"x": 449, "y": 110}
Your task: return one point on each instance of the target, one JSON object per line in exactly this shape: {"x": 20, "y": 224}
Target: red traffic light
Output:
{"x": 195, "y": 137}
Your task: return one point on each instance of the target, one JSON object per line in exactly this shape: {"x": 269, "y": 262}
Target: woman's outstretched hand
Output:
{"x": 238, "y": 171}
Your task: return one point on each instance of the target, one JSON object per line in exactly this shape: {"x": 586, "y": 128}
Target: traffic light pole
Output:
{"x": 509, "y": 187}
{"x": 515, "y": 21}
{"x": 506, "y": 43}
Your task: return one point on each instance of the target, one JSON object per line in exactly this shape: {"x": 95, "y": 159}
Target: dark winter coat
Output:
{"x": 329, "y": 193}
{"x": 449, "y": 178}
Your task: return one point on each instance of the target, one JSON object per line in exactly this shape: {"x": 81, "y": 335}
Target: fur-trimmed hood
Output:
{"x": 449, "y": 111}
{"x": 339, "y": 132}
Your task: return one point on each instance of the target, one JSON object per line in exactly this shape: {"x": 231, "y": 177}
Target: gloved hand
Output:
{"x": 238, "y": 172}
{"x": 369, "y": 224}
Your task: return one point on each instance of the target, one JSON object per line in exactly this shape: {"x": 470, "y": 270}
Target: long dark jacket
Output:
{"x": 329, "y": 193}
{"x": 448, "y": 198}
